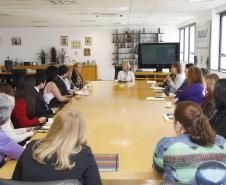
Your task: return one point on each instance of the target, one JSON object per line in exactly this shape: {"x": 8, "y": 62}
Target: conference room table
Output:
{"x": 120, "y": 121}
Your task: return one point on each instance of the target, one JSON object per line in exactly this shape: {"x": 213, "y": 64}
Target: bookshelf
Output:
{"x": 126, "y": 45}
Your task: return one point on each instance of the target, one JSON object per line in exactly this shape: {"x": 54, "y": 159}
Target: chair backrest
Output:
{"x": 58, "y": 182}
{"x": 16, "y": 76}
{"x": 211, "y": 173}
{"x": 117, "y": 69}
{"x": 173, "y": 183}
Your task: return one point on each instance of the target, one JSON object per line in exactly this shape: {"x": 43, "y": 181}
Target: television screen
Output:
{"x": 158, "y": 55}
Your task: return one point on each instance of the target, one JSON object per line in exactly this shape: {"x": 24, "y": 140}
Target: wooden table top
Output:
{"x": 120, "y": 121}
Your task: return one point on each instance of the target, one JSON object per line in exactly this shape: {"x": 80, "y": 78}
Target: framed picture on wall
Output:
{"x": 88, "y": 41}
{"x": 64, "y": 40}
{"x": 87, "y": 52}
{"x": 76, "y": 44}
{"x": 16, "y": 41}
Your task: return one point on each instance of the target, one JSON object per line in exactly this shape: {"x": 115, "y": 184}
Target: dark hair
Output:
{"x": 195, "y": 124}
{"x": 178, "y": 67}
{"x": 195, "y": 76}
{"x": 205, "y": 71}
{"x": 7, "y": 89}
{"x": 25, "y": 90}
{"x": 188, "y": 66}
{"x": 62, "y": 70}
{"x": 40, "y": 78}
{"x": 51, "y": 73}
{"x": 220, "y": 94}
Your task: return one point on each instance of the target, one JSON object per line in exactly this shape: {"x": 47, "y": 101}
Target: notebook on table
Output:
{"x": 107, "y": 162}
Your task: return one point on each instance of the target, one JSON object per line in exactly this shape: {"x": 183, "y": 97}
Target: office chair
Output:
{"x": 57, "y": 182}
{"x": 16, "y": 76}
{"x": 117, "y": 69}
{"x": 211, "y": 173}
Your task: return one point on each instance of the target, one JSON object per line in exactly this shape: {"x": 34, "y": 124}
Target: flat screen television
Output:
{"x": 158, "y": 55}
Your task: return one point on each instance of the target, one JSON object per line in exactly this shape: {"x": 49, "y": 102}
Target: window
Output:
{"x": 222, "y": 56}
{"x": 187, "y": 43}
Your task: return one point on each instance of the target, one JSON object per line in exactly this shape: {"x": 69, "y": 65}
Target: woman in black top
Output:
{"x": 77, "y": 77}
{"x": 62, "y": 154}
{"x": 218, "y": 121}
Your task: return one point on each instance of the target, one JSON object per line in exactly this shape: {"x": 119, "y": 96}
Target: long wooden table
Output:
{"x": 120, "y": 121}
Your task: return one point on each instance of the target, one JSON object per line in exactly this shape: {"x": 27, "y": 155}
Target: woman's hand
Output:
{"x": 42, "y": 120}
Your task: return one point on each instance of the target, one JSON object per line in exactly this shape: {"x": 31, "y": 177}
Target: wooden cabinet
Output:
{"x": 89, "y": 72}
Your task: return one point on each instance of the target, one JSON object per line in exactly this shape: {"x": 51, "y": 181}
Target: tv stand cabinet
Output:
{"x": 157, "y": 76}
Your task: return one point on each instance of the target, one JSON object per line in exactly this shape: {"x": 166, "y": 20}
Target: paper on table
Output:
{"x": 151, "y": 82}
{"x": 155, "y": 98}
{"x": 156, "y": 88}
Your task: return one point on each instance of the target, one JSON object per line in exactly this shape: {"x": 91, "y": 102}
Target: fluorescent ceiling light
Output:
{"x": 200, "y": 0}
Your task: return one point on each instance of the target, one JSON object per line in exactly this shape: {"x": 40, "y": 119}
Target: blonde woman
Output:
{"x": 125, "y": 75}
{"x": 62, "y": 154}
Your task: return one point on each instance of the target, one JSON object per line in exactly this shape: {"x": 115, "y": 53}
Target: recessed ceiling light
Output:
{"x": 63, "y": 2}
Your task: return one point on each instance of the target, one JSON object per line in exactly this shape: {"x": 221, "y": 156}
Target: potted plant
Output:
{"x": 43, "y": 56}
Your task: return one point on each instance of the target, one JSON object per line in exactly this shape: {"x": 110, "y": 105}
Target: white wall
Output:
{"x": 35, "y": 39}
{"x": 213, "y": 17}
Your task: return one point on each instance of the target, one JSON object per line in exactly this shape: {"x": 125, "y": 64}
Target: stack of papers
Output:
{"x": 155, "y": 98}
{"x": 156, "y": 88}
{"x": 82, "y": 93}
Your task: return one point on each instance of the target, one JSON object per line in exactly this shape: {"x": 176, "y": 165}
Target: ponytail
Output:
{"x": 201, "y": 132}
{"x": 195, "y": 124}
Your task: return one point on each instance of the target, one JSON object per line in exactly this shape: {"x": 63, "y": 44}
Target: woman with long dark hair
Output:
{"x": 218, "y": 121}
{"x": 23, "y": 114}
{"x": 178, "y": 158}
{"x": 52, "y": 94}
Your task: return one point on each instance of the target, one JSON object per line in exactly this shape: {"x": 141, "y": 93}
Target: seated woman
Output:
{"x": 23, "y": 114}
{"x": 178, "y": 158}
{"x": 208, "y": 105}
{"x": 195, "y": 90}
{"x": 62, "y": 154}
{"x": 126, "y": 75}
{"x": 18, "y": 135}
{"x": 187, "y": 67}
{"x": 8, "y": 147}
{"x": 76, "y": 76}
{"x": 179, "y": 77}
{"x": 51, "y": 94}
{"x": 218, "y": 121}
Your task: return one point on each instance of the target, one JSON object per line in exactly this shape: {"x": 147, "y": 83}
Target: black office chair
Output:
{"x": 58, "y": 182}
{"x": 117, "y": 69}
{"x": 16, "y": 76}
{"x": 40, "y": 71}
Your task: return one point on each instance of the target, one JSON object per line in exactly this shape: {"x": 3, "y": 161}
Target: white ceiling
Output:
{"x": 38, "y": 13}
